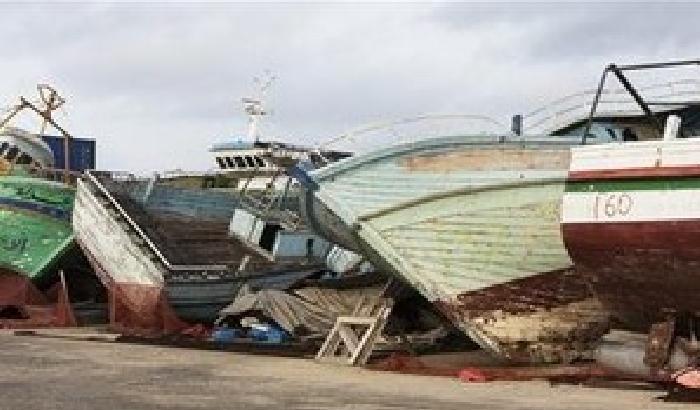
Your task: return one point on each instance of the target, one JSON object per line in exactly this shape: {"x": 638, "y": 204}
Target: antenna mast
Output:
{"x": 255, "y": 108}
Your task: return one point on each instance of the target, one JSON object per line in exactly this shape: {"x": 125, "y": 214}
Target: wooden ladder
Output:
{"x": 352, "y": 338}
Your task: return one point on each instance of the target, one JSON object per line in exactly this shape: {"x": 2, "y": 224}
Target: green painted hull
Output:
{"x": 35, "y": 227}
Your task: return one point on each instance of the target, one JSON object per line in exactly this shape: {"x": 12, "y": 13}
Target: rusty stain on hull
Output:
{"x": 641, "y": 269}
{"x": 552, "y": 317}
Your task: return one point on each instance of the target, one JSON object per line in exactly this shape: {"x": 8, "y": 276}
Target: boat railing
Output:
{"x": 95, "y": 181}
{"x": 272, "y": 211}
{"x": 615, "y": 102}
{"x": 411, "y": 129}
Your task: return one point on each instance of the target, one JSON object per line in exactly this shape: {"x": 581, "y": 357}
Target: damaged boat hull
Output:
{"x": 631, "y": 223}
{"x": 151, "y": 244}
{"x": 35, "y": 225}
{"x": 35, "y": 212}
{"x": 124, "y": 257}
{"x": 473, "y": 224}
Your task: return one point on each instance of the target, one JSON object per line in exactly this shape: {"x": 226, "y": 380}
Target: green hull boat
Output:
{"x": 35, "y": 226}
{"x": 35, "y": 212}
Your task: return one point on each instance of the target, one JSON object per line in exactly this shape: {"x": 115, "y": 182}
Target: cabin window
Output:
{"x": 3, "y": 147}
{"x": 259, "y": 162}
{"x": 221, "y": 163}
{"x": 629, "y": 135}
{"x": 230, "y": 162}
{"x": 249, "y": 161}
{"x": 239, "y": 162}
{"x": 267, "y": 238}
{"x": 309, "y": 247}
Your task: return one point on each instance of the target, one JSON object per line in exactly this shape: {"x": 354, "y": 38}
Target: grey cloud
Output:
{"x": 583, "y": 30}
{"x": 157, "y": 83}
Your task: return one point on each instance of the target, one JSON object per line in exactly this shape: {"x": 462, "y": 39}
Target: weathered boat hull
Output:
{"x": 35, "y": 225}
{"x": 151, "y": 244}
{"x": 473, "y": 224}
{"x": 551, "y": 317}
{"x": 631, "y": 223}
{"x": 35, "y": 210}
{"x": 123, "y": 259}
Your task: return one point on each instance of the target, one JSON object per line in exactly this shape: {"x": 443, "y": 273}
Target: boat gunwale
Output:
{"x": 25, "y": 180}
{"x": 354, "y": 162}
{"x": 169, "y": 266}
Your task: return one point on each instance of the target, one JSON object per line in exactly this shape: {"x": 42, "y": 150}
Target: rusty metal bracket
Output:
{"x": 659, "y": 343}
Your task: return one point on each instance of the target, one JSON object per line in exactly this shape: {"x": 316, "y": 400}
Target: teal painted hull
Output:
{"x": 464, "y": 220}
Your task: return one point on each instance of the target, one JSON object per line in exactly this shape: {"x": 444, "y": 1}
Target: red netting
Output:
{"x": 136, "y": 309}
{"x": 22, "y": 305}
{"x": 142, "y": 310}
{"x": 18, "y": 290}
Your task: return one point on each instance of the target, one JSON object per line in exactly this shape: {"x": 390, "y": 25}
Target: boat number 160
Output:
{"x": 614, "y": 204}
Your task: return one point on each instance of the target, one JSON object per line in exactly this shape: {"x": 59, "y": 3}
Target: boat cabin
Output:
{"x": 19, "y": 147}
{"x": 631, "y": 112}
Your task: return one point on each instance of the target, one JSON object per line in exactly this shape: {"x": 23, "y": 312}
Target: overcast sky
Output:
{"x": 156, "y": 84}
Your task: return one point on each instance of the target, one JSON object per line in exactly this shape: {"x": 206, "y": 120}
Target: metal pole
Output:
{"x": 12, "y": 114}
{"x": 637, "y": 98}
{"x": 594, "y": 106}
{"x": 66, "y": 136}
{"x": 669, "y": 64}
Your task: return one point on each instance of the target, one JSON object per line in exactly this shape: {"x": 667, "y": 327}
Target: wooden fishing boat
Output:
{"x": 35, "y": 211}
{"x": 472, "y": 222}
{"x": 631, "y": 222}
{"x": 631, "y": 214}
{"x": 35, "y": 227}
{"x": 154, "y": 245}
{"x": 36, "y": 199}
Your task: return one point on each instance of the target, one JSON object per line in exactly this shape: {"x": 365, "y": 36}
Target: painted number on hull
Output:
{"x": 613, "y": 205}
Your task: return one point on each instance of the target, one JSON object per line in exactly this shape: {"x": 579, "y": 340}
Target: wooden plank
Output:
{"x": 343, "y": 343}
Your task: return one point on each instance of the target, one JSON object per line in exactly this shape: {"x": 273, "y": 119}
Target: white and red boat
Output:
{"x": 631, "y": 214}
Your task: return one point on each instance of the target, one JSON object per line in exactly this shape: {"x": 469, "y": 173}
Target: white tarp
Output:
{"x": 312, "y": 308}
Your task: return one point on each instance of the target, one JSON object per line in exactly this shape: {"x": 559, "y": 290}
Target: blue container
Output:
{"x": 268, "y": 334}
{"x": 82, "y": 152}
{"x": 277, "y": 336}
{"x": 225, "y": 335}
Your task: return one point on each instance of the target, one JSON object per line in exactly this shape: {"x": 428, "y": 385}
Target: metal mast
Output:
{"x": 255, "y": 108}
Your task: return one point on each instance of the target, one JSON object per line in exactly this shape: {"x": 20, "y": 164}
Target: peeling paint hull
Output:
{"x": 631, "y": 223}
{"x": 141, "y": 238}
{"x": 465, "y": 220}
{"x": 552, "y": 317}
{"x": 35, "y": 228}
{"x": 642, "y": 270}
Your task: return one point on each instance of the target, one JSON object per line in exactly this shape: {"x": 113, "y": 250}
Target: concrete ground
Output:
{"x": 43, "y": 373}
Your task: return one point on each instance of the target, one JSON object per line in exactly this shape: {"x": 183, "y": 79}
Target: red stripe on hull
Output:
{"x": 635, "y": 173}
{"x": 638, "y": 269}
